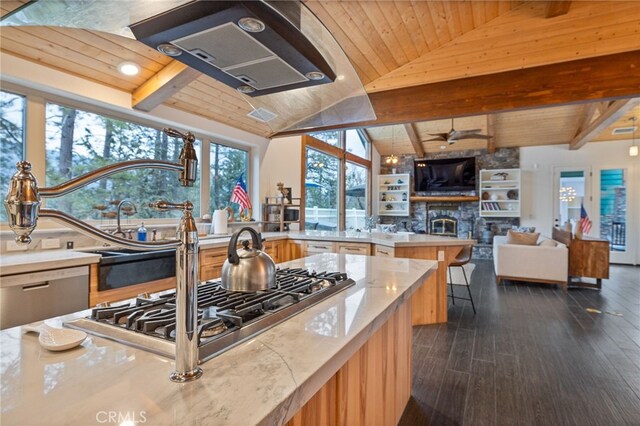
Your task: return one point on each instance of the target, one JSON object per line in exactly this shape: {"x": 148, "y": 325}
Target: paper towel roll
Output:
{"x": 219, "y": 222}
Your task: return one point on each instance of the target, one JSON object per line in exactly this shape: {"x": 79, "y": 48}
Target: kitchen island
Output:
{"x": 330, "y": 361}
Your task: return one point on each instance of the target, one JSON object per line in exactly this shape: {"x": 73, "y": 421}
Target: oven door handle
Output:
{"x": 38, "y": 286}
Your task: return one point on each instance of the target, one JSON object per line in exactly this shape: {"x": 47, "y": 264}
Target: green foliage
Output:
{"x": 11, "y": 139}
{"x": 227, "y": 164}
{"x": 97, "y": 141}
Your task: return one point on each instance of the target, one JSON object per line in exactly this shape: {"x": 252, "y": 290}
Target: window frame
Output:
{"x": 34, "y": 136}
{"x": 343, "y": 157}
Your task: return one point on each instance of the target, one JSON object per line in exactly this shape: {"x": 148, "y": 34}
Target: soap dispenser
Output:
{"x": 142, "y": 233}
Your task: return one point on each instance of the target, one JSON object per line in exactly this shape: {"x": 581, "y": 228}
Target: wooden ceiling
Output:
{"x": 542, "y": 126}
{"x": 395, "y": 45}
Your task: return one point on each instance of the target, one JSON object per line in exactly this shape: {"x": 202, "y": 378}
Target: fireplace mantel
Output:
{"x": 444, "y": 199}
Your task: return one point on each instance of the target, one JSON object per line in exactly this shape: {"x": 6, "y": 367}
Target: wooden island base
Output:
{"x": 373, "y": 386}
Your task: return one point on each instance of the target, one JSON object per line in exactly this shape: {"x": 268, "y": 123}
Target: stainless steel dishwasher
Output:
{"x": 35, "y": 296}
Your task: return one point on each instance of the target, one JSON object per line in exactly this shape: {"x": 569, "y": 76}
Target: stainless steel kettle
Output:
{"x": 248, "y": 269}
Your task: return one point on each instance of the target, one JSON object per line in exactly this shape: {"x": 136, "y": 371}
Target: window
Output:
{"x": 78, "y": 142}
{"x": 321, "y": 191}
{"x": 333, "y": 138}
{"x": 11, "y": 139}
{"x": 356, "y": 195}
{"x": 336, "y": 195}
{"x": 356, "y": 144}
{"x": 227, "y": 164}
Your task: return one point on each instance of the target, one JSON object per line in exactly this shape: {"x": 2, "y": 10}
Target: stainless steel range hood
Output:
{"x": 282, "y": 100}
{"x": 246, "y": 45}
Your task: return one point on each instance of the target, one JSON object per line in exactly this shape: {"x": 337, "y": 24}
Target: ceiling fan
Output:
{"x": 454, "y": 135}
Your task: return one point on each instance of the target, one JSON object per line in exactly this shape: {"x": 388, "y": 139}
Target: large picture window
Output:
{"x": 336, "y": 180}
{"x": 78, "y": 141}
{"x": 11, "y": 138}
{"x": 321, "y": 191}
{"x": 227, "y": 164}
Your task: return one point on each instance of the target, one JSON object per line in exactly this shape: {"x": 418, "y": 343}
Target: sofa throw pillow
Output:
{"x": 548, "y": 243}
{"x": 523, "y": 228}
{"x": 522, "y": 238}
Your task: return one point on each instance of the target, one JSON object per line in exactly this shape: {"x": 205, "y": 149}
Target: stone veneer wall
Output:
{"x": 469, "y": 220}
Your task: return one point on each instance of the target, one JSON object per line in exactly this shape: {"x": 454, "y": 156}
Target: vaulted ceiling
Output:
{"x": 421, "y": 62}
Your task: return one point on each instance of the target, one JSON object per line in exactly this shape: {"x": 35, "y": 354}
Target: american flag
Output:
{"x": 584, "y": 223}
{"x": 239, "y": 194}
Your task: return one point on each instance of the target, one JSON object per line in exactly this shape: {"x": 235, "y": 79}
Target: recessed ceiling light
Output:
{"x": 314, "y": 75}
{"x": 128, "y": 68}
{"x": 251, "y": 25}
{"x": 340, "y": 77}
{"x": 169, "y": 49}
{"x": 245, "y": 89}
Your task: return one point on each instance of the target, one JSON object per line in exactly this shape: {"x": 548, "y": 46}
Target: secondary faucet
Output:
{"x": 23, "y": 210}
{"x": 119, "y": 230}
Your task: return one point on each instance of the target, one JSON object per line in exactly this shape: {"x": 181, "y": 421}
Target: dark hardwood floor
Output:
{"x": 531, "y": 356}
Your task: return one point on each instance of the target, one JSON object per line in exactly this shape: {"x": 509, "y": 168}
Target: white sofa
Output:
{"x": 530, "y": 263}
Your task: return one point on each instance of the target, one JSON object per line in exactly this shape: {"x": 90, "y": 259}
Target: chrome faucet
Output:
{"x": 23, "y": 210}
{"x": 119, "y": 230}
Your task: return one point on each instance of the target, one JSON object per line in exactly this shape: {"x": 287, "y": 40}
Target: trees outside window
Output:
{"x": 227, "y": 164}
{"x": 11, "y": 139}
{"x": 336, "y": 193}
{"x": 321, "y": 191}
{"x": 78, "y": 142}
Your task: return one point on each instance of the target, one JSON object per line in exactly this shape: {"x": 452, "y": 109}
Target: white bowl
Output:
{"x": 56, "y": 339}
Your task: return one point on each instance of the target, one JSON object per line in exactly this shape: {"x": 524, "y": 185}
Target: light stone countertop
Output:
{"x": 264, "y": 380}
{"x": 33, "y": 261}
{"x": 53, "y": 259}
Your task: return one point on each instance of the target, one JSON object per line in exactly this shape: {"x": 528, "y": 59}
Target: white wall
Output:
{"x": 281, "y": 163}
{"x": 538, "y": 163}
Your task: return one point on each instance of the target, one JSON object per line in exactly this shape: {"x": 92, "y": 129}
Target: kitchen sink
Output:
{"x": 124, "y": 267}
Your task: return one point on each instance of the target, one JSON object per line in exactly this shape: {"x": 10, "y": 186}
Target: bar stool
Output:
{"x": 462, "y": 259}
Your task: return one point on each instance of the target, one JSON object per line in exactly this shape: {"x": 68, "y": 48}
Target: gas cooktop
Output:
{"x": 225, "y": 318}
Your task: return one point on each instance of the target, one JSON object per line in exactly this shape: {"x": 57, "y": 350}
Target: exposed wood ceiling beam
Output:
{"x": 586, "y": 116}
{"x": 491, "y": 131}
{"x": 601, "y": 78}
{"x": 163, "y": 85}
{"x": 415, "y": 139}
{"x": 615, "y": 110}
{"x": 557, "y": 8}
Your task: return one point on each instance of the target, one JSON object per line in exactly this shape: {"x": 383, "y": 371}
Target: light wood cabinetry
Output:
{"x": 312, "y": 247}
{"x": 393, "y": 195}
{"x": 500, "y": 193}
{"x": 211, "y": 261}
{"x": 373, "y": 386}
{"x": 383, "y": 251}
{"x": 353, "y": 248}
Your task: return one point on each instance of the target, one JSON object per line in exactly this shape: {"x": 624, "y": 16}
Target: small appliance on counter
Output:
{"x": 219, "y": 224}
{"x": 248, "y": 269}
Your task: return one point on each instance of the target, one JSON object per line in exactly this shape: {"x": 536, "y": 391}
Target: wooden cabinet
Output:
{"x": 589, "y": 257}
{"x": 384, "y": 251}
{"x": 353, "y": 248}
{"x": 211, "y": 261}
{"x": 277, "y": 250}
{"x": 313, "y": 247}
{"x": 295, "y": 249}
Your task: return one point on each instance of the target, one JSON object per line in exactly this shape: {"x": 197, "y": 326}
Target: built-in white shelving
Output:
{"x": 500, "y": 193}
{"x": 393, "y": 195}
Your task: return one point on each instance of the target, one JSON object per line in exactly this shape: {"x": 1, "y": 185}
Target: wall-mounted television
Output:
{"x": 447, "y": 174}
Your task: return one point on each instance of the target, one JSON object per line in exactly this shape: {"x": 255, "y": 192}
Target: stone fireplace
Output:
{"x": 443, "y": 225}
